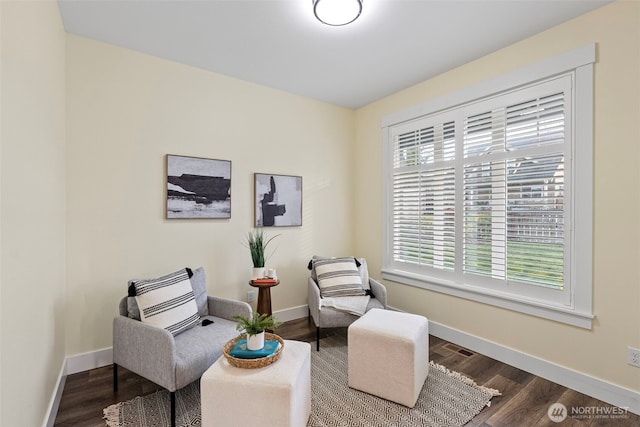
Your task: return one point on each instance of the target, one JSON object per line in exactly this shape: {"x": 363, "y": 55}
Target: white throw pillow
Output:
{"x": 362, "y": 268}
{"x": 338, "y": 277}
{"x": 168, "y": 302}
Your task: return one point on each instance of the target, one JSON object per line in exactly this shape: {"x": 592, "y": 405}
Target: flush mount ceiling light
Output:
{"x": 337, "y": 12}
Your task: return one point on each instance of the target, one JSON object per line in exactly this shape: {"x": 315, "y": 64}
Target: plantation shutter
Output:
{"x": 478, "y": 192}
{"x": 424, "y": 195}
{"x": 513, "y": 192}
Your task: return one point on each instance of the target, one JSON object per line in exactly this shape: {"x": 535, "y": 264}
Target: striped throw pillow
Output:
{"x": 168, "y": 302}
{"x": 338, "y": 277}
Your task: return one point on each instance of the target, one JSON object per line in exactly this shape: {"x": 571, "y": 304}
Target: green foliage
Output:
{"x": 257, "y": 244}
{"x": 256, "y": 324}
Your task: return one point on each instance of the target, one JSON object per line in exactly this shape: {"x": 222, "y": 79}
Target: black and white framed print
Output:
{"x": 278, "y": 200}
{"x": 198, "y": 188}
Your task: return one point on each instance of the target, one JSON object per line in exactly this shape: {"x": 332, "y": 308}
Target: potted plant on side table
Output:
{"x": 257, "y": 244}
{"x": 254, "y": 327}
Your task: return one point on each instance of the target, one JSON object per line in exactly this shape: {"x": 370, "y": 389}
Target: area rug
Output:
{"x": 447, "y": 399}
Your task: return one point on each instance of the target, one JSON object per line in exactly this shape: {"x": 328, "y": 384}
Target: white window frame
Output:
{"x": 576, "y": 309}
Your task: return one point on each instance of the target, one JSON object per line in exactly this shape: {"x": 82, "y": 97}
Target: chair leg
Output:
{"x": 173, "y": 408}
{"x": 115, "y": 377}
{"x": 309, "y": 318}
{"x": 317, "y": 338}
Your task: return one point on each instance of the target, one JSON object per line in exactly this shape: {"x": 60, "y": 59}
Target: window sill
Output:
{"x": 503, "y": 300}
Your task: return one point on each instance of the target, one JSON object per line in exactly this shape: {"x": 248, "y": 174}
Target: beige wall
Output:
{"x": 126, "y": 111}
{"x": 600, "y": 352}
{"x": 32, "y": 198}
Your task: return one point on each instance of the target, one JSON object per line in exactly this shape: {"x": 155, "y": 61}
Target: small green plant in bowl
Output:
{"x": 257, "y": 323}
{"x": 254, "y": 328}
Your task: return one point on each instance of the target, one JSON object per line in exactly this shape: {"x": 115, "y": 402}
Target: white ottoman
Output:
{"x": 389, "y": 355}
{"x": 276, "y": 395}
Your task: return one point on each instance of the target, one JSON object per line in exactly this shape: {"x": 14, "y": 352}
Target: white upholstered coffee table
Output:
{"x": 276, "y": 395}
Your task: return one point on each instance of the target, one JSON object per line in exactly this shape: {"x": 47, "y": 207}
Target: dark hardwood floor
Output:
{"x": 525, "y": 398}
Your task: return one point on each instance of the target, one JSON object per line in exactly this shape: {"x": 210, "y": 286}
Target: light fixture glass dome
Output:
{"x": 337, "y": 12}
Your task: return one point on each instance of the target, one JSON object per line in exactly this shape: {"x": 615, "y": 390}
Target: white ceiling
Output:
{"x": 278, "y": 43}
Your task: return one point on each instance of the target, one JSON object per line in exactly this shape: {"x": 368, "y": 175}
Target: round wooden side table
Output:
{"x": 264, "y": 296}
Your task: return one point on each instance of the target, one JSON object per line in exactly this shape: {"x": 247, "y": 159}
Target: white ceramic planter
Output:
{"x": 258, "y": 273}
{"x": 255, "y": 342}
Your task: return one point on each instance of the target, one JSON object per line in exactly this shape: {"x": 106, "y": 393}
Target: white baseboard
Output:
{"x": 88, "y": 361}
{"x": 586, "y": 384}
{"x": 54, "y": 403}
{"x": 292, "y": 313}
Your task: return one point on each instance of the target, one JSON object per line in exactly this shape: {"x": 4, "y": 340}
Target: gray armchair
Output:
{"x": 328, "y": 317}
{"x": 174, "y": 362}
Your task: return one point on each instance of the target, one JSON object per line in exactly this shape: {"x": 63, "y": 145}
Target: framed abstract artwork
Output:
{"x": 198, "y": 188}
{"x": 278, "y": 200}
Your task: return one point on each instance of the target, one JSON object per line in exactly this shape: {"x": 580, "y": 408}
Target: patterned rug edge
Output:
{"x": 492, "y": 391}
{"x": 112, "y": 413}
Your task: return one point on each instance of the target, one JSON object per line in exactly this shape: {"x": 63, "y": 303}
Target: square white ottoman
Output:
{"x": 276, "y": 395}
{"x": 388, "y": 355}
